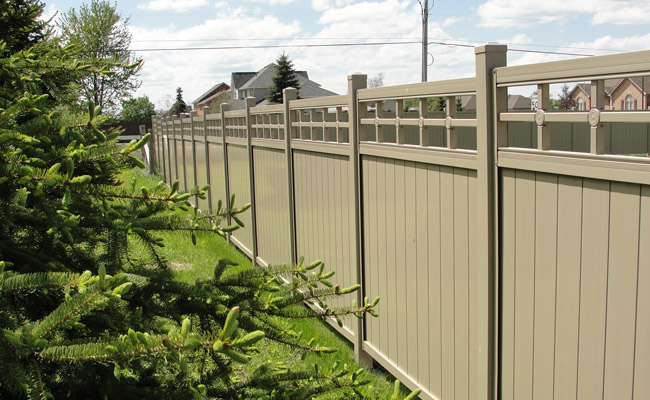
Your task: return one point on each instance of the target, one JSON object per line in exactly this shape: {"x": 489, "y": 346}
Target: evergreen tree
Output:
{"x": 80, "y": 318}
{"x": 179, "y": 106}
{"x": 20, "y": 26}
{"x": 285, "y": 76}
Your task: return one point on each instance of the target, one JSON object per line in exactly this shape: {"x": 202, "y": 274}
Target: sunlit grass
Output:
{"x": 191, "y": 262}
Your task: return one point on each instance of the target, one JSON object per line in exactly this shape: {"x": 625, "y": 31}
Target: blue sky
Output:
{"x": 565, "y": 26}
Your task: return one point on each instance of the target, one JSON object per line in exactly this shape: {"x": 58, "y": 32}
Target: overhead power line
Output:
{"x": 439, "y": 40}
{"x": 309, "y": 45}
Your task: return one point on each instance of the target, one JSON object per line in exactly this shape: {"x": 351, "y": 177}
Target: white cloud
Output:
{"x": 50, "y": 11}
{"x": 196, "y": 71}
{"x": 274, "y": 2}
{"x": 322, "y": 5}
{"x": 174, "y": 5}
{"x": 451, "y": 21}
{"x": 526, "y": 13}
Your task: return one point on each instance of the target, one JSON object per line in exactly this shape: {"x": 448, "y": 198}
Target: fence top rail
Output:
{"x": 589, "y": 68}
{"x": 327, "y": 101}
{"x": 420, "y": 90}
{"x": 213, "y": 117}
{"x": 269, "y": 109}
{"x": 235, "y": 114}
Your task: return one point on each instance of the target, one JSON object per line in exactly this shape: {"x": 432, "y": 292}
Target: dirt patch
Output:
{"x": 179, "y": 266}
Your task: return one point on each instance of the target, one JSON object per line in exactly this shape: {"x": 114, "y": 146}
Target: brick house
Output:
{"x": 620, "y": 94}
{"x": 206, "y": 99}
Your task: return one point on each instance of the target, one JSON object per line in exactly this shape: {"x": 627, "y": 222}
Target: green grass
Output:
{"x": 193, "y": 262}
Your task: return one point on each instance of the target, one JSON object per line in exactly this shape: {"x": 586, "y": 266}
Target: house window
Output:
{"x": 581, "y": 104}
{"x": 629, "y": 102}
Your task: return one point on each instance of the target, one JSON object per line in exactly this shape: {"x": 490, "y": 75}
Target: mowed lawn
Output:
{"x": 192, "y": 262}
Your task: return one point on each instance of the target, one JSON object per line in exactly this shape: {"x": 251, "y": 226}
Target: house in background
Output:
{"x": 516, "y": 102}
{"x": 214, "y": 94}
{"x": 256, "y": 84}
{"x": 620, "y": 94}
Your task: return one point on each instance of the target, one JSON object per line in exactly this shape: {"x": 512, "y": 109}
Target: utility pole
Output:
{"x": 425, "y": 39}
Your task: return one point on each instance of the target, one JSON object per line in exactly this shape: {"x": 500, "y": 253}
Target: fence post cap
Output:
{"x": 491, "y": 47}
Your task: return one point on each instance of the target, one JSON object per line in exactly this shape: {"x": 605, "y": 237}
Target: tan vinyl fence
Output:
{"x": 510, "y": 249}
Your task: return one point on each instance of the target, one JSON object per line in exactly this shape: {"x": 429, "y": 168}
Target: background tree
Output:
{"x": 285, "y": 76}
{"x": 223, "y": 97}
{"x": 565, "y": 100}
{"x": 20, "y": 24}
{"x": 376, "y": 81}
{"x": 179, "y": 106}
{"x": 102, "y": 39}
{"x": 140, "y": 109}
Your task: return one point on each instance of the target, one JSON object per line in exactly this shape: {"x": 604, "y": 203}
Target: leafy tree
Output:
{"x": 376, "y": 81}
{"x": 565, "y": 100}
{"x": 223, "y": 97}
{"x": 137, "y": 110}
{"x": 78, "y": 315}
{"x": 179, "y": 106}
{"x": 101, "y": 38}
{"x": 20, "y": 26}
{"x": 285, "y": 76}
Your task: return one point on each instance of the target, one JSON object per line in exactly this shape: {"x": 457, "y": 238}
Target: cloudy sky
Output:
{"x": 257, "y": 31}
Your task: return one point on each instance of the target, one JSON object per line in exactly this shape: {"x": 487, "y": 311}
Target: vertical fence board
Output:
{"x": 545, "y": 274}
{"x": 240, "y": 187}
{"x": 508, "y": 274}
{"x": 372, "y": 262}
{"x": 402, "y": 350}
{"x": 201, "y": 172}
{"x": 382, "y": 245}
{"x": 593, "y": 289}
{"x": 568, "y": 286}
{"x": 447, "y": 282}
{"x": 411, "y": 270}
{"x": 422, "y": 265}
{"x": 217, "y": 174}
{"x": 621, "y": 290}
{"x": 434, "y": 251}
{"x": 461, "y": 282}
{"x": 392, "y": 266}
{"x": 272, "y": 206}
{"x": 642, "y": 343}
{"x": 524, "y": 284}
{"x": 475, "y": 283}
{"x": 189, "y": 164}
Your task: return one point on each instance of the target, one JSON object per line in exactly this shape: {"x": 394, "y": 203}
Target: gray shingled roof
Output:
{"x": 518, "y": 102}
{"x": 210, "y": 92}
{"x": 263, "y": 78}
{"x": 515, "y": 102}
{"x": 239, "y": 78}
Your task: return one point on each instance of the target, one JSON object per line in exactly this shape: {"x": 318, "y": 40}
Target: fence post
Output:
{"x": 355, "y": 82}
{"x": 289, "y": 94}
{"x": 194, "y": 178}
{"x": 250, "y": 103}
{"x": 224, "y": 148}
{"x": 183, "y": 160}
{"x": 168, "y": 157}
{"x": 483, "y": 341}
{"x": 174, "y": 118}
{"x": 207, "y": 155}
